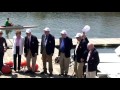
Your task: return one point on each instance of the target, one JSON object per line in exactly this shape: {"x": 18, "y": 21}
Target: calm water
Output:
{"x": 103, "y": 24}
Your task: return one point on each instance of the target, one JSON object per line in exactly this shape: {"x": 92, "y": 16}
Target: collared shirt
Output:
{"x": 88, "y": 56}
{"x": 45, "y": 40}
{"x": 76, "y": 47}
{"x": 62, "y": 46}
{"x": 29, "y": 40}
{"x": 17, "y": 41}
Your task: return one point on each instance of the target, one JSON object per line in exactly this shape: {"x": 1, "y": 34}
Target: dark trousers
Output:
{"x": 1, "y": 60}
{"x": 15, "y": 57}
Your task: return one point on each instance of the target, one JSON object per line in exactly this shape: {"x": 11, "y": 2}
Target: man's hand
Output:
{"x": 5, "y": 49}
{"x": 82, "y": 60}
{"x": 36, "y": 54}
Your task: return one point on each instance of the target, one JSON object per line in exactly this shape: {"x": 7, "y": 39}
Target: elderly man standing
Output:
{"x": 31, "y": 50}
{"x": 64, "y": 53}
{"x": 85, "y": 41}
{"x": 78, "y": 54}
{"x": 92, "y": 58}
{"x": 47, "y": 50}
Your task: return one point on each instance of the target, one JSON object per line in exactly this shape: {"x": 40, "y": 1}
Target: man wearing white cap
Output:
{"x": 30, "y": 50}
{"x": 64, "y": 52}
{"x": 47, "y": 50}
{"x": 78, "y": 56}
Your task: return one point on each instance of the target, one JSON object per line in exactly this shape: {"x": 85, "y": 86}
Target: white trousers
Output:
{"x": 90, "y": 74}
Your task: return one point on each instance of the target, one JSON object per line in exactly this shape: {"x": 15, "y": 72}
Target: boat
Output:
{"x": 16, "y": 27}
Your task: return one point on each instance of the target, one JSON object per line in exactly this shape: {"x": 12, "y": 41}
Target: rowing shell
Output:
{"x": 16, "y": 27}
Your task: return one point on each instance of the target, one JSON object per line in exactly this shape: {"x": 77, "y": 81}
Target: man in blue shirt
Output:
{"x": 64, "y": 53}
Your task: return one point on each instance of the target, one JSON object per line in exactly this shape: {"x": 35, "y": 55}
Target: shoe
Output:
{"x": 61, "y": 74}
{"x": 50, "y": 74}
{"x": 28, "y": 71}
{"x": 14, "y": 71}
{"x": 43, "y": 72}
{"x": 74, "y": 75}
{"x": 65, "y": 75}
{"x": 32, "y": 72}
{"x": 19, "y": 71}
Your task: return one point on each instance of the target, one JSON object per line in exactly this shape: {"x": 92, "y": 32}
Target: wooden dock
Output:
{"x": 98, "y": 42}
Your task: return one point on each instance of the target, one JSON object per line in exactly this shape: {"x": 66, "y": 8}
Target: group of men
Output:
{"x": 84, "y": 52}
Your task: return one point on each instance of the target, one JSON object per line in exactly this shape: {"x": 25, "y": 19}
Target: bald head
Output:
{"x": 90, "y": 46}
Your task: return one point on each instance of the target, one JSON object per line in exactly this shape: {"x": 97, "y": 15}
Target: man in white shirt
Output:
{"x": 92, "y": 58}
{"x": 78, "y": 53}
{"x": 47, "y": 50}
{"x": 31, "y": 50}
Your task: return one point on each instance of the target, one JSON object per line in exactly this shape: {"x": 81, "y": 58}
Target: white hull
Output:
{"x": 16, "y": 27}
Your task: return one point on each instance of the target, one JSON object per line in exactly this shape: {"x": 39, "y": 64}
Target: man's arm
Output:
{"x": 37, "y": 45}
{"x": 53, "y": 43}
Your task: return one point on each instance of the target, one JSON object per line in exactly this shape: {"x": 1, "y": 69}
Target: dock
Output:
{"x": 98, "y": 42}
{"x": 56, "y": 68}
{"x": 105, "y": 59}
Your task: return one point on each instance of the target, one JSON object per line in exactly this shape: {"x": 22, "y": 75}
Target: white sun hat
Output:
{"x": 86, "y": 28}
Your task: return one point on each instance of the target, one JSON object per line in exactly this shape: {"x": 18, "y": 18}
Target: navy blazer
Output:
{"x": 2, "y": 41}
{"x": 68, "y": 46}
{"x": 50, "y": 45}
{"x": 33, "y": 45}
{"x": 79, "y": 52}
{"x": 93, "y": 60}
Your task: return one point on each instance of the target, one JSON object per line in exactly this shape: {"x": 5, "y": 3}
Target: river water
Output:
{"x": 103, "y": 24}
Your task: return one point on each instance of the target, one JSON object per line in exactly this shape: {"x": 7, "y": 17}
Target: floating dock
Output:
{"x": 110, "y": 60}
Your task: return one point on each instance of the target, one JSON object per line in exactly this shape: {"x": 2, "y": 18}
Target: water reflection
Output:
{"x": 7, "y": 32}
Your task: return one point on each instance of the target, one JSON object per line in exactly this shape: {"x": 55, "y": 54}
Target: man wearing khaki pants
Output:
{"x": 31, "y": 50}
{"x": 78, "y": 54}
{"x": 64, "y": 53}
{"x": 47, "y": 50}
